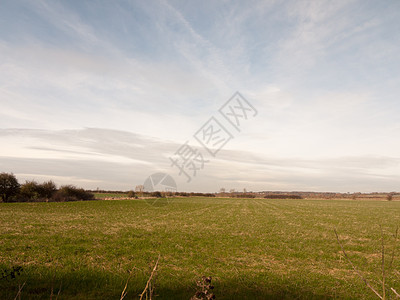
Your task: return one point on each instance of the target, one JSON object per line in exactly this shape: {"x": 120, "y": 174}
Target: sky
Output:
{"x": 103, "y": 94}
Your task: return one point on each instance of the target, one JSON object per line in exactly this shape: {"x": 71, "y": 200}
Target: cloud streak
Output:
{"x": 101, "y": 157}
{"x": 121, "y": 85}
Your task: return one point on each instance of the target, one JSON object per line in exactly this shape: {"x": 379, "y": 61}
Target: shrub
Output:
{"x": 30, "y": 190}
{"x": 71, "y": 193}
{"x": 156, "y": 194}
{"x": 204, "y": 289}
{"x": 9, "y": 186}
{"x": 282, "y": 196}
{"x": 131, "y": 194}
{"x": 245, "y": 196}
{"x": 208, "y": 195}
{"x": 33, "y": 191}
{"x": 10, "y": 273}
{"x": 169, "y": 194}
{"x": 47, "y": 189}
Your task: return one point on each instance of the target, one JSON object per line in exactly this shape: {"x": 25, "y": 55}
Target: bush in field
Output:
{"x": 47, "y": 189}
{"x": 169, "y": 194}
{"x": 11, "y": 190}
{"x": 131, "y": 194}
{"x": 156, "y": 194}
{"x": 182, "y": 194}
{"x": 72, "y": 193}
{"x": 201, "y": 195}
{"x": 9, "y": 186}
{"x": 204, "y": 289}
{"x": 29, "y": 191}
{"x": 243, "y": 195}
{"x": 10, "y": 273}
{"x": 33, "y": 191}
{"x": 208, "y": 195}
{"x": 282, "y": 196}
{"x": 389, "y": 197}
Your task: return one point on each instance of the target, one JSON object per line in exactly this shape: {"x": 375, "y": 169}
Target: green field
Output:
{"x": 253, "y": 248}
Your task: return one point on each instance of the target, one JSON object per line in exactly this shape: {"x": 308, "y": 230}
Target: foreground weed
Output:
{"x": 149, "y": 289}
{"x": 11, "y": 273}
{"x": 20, "y": 287}
{"x": 384, "y": 288}
{"x": 204, "y": 288}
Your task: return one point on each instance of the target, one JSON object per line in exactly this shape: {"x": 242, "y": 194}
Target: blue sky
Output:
{"x": 102, "y": 93}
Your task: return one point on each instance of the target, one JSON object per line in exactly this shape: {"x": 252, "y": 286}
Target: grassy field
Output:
{"x": 253, "y": 248}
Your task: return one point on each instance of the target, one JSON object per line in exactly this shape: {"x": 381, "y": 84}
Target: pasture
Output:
{"x": 252, "y": 248}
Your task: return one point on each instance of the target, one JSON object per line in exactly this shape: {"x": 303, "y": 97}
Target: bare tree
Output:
{"x": 139, "y": 189}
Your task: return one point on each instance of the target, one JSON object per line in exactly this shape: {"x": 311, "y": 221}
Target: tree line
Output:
{"x": 31, "y": 191}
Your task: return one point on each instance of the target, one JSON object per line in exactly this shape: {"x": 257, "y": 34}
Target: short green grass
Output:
{"x": 253, "y": 248}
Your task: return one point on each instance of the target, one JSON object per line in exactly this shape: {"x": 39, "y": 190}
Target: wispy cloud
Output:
{"x": 322, "y": 75}
{"x": 100, "y": 157}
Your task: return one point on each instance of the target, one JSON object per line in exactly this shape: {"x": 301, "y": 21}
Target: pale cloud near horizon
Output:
{"x": 113, "y": 159}
{"x": 324, "y": 77}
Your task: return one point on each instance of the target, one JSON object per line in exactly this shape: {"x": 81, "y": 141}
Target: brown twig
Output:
{"x": 383, "y": 266}
{"x": 19, "y": 291}
{"x": 150, "y": 278}
{"x": 123, "y": 294}
{"x": 395, "y": 292}
{"x": 395, "y": 242}
{"x": 355, "y": 269}
{"x": 59, "y": 291}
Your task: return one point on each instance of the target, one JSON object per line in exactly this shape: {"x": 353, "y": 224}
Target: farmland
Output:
{"x": 253, "y": 248}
